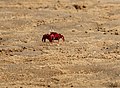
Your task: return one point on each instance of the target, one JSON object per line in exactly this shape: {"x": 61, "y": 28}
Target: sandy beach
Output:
{"x": 89, "y": 57}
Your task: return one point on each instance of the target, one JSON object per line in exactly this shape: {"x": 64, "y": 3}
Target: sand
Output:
{"x": 89, "y": 57}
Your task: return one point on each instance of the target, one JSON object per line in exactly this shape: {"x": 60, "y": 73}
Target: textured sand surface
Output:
{"x": 89, "y": 57}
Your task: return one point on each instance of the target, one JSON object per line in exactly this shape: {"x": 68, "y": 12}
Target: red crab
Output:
{"x": 52, "y": 36}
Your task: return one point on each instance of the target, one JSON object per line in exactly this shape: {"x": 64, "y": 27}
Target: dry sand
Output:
{"x": 89, "y": 57}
